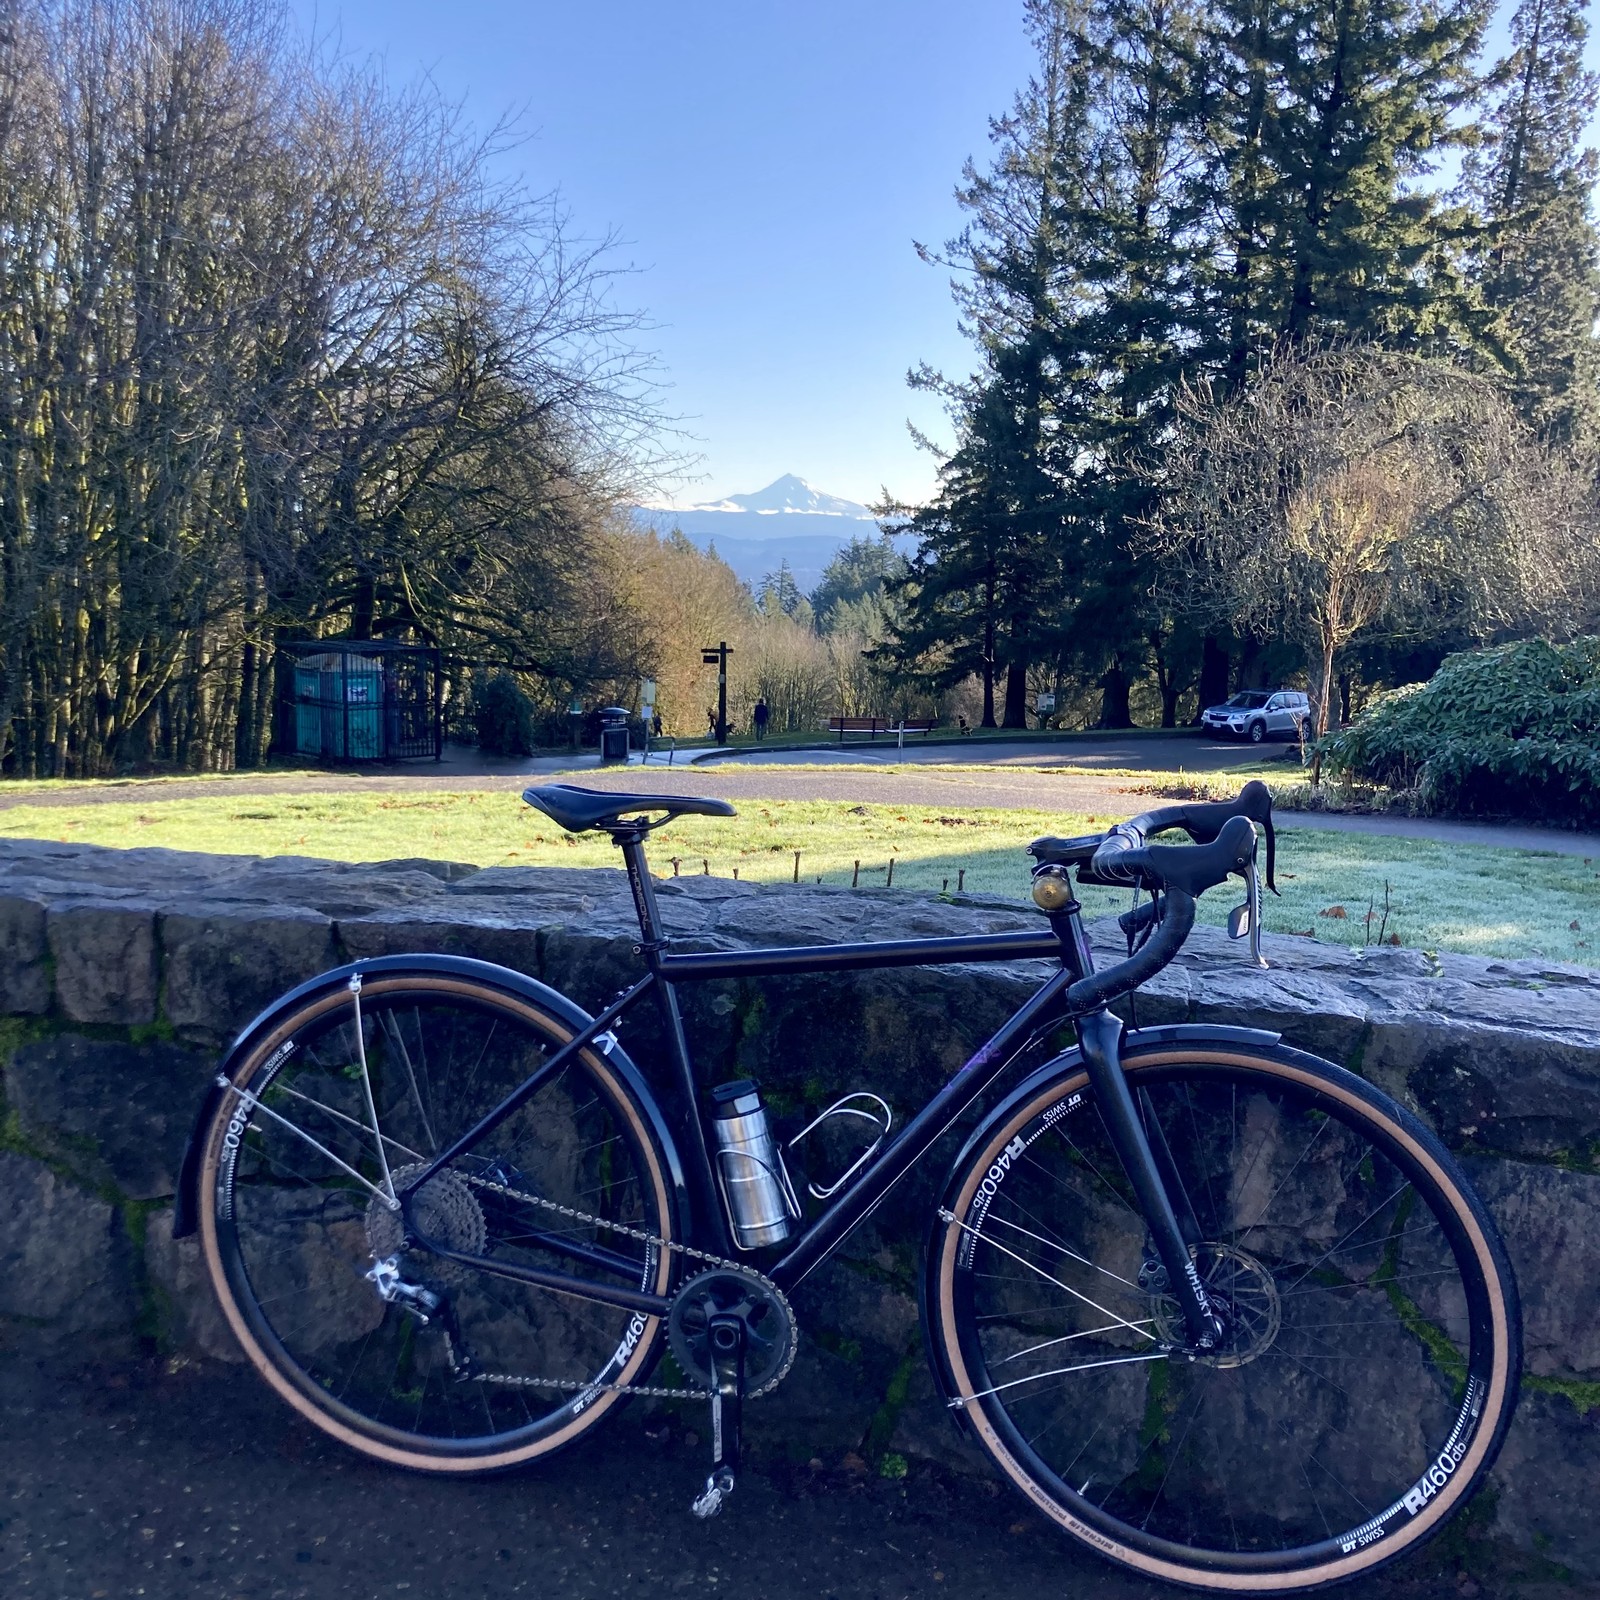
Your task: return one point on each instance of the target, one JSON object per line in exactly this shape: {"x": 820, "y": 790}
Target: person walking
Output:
{"x": 655, "y": 724}
{"x": 759, "y": 717}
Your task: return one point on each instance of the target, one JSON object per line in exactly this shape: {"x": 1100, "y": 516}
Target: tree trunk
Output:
{"x": 1016, "y": 695}
{"x": 364, "y": 609}
{"x": 1114, "y": 687}
{"x": 1344, "y": 698}
{"x": 988, "y": 676}
{"x": 1319, "y": 709}
{"x": 1214, "y": 665}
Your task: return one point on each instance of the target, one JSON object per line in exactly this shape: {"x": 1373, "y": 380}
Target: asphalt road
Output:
{"x": 191, "y": 1482}
{"x": 1143, "y": 752}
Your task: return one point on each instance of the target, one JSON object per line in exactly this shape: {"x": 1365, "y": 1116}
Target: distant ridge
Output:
{"x": 788, "y": 521}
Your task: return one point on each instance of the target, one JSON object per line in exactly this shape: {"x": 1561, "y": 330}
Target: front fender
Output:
{"x": 1197, "y": 1033}
{"x": 186, "y": 1203}
{"x": 1069, "y": 1061}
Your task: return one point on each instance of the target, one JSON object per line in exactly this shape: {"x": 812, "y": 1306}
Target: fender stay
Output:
{"x": 186, "y": 1202}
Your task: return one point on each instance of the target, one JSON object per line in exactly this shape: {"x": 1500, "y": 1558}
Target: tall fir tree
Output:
{"x": 1078, "y": 290}
{"x": 1538, "y": 263}
{"x": 1327, "y": 117}
{"x": 987, "y": 572}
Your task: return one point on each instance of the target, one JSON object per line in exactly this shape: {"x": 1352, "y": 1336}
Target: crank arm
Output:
{"x": 726, "y": 1339}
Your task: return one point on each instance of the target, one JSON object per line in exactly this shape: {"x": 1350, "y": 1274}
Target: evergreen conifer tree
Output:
{"x": 1324, "y": 116}
{"x": 1538, "y": 264}
{"x": 985, "y": 575}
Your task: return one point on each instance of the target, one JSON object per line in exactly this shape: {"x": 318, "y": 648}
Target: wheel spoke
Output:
{"x": 1308, "y": 1194}
{"x": 304, "y": 1226}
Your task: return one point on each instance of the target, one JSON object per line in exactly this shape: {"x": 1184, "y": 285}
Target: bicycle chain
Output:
{"x": 650, "y": 1391}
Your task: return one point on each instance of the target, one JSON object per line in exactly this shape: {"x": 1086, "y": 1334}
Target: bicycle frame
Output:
{"x": 1154, "y": 1180}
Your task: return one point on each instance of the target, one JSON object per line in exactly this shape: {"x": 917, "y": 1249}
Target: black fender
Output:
{"x": 1059, "y": 1066}
{"x": 186, "y": 1212}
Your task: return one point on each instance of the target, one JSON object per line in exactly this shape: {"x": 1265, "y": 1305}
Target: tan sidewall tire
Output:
{"x": 422, "y": 1461}
{"x": 1385, "y": 1550}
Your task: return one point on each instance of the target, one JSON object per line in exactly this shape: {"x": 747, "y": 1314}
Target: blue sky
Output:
{"x": 767, "y": 168}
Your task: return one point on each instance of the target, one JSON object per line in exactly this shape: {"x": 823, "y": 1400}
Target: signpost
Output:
{"x": 718, "y": 658}
{"x": 647, "y": 709}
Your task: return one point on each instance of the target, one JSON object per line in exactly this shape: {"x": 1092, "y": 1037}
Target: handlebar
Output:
{"x": 1101, "y": 988}
{"x": 1225, "y": 838}
{"x": 1203, "y": 821}
{"x": 1124, "y": 857}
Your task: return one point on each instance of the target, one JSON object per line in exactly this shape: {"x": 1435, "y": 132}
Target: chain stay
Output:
{"x": 576, "y": 1386}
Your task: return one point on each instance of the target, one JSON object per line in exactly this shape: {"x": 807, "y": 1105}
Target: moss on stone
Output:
{"x": 898, "y": 1389}
{"x": 1582, "y": 1392}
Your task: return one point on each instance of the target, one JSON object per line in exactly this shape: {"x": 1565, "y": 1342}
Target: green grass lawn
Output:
{"x": 1441, "y": 896}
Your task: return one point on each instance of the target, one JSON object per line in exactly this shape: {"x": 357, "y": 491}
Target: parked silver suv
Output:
{"x": 1260, "y": 714}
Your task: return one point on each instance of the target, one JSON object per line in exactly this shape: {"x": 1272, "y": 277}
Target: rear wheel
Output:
{"x": 1370, "y": 1360}
{"x": 398, "y": 1352}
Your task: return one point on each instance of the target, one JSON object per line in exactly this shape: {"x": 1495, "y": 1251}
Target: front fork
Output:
{"x": 1147, "y": 1161}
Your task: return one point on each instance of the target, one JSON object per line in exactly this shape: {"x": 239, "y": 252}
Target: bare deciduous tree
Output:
{"x": 1350, "y": 488}
{"x": 276, "y": 355}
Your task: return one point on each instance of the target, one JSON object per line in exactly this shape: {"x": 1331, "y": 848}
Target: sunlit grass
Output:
{"x": 1442, "y": 896}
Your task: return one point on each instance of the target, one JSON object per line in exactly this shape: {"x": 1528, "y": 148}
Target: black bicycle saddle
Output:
{"x": 578, "y": 810}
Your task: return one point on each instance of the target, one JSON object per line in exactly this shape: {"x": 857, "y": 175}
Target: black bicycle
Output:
{"x": 1223, "y": 1311}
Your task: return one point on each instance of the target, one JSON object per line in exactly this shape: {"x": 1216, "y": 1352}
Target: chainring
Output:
{"x": 446, "y": 1211}
{"x": 769, "y": 1326}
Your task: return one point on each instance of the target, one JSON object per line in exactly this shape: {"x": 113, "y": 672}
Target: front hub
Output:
{"x": 1244, "y": 1298}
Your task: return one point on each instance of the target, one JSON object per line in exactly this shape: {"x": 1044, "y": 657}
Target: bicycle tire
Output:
{"x": 289, "y": 1231}
{"x": 1350, "y": 1253}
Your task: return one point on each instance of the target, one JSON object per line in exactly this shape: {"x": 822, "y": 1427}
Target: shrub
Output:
{"x": 1510, "y": 731}
{"x": 504, "y": 717}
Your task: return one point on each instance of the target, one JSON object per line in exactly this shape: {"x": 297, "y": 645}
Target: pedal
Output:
{"x": 726, "y": 1339}
{"x": 718, "y": 1487}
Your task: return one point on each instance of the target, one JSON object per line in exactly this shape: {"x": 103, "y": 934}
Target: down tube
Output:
{"x": 835, "y": 1225}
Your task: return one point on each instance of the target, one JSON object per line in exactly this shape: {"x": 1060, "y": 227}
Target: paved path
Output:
{"x": 1138, "y": 752}
{"x": 193, "y": 1483}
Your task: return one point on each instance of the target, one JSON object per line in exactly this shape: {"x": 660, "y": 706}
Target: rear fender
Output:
{"x": 186, "y": 1204}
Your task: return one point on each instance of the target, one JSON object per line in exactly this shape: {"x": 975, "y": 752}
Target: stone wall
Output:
{"x": 122, "y": 974}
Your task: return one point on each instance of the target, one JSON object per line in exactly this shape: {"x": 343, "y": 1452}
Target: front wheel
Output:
{"x": 405, "y": 1355}
{"x": 1369, "y": 1365}
{"x": 1258, "y": 732}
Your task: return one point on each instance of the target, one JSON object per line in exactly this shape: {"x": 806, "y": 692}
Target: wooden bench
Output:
{"x": 871, "y": 727}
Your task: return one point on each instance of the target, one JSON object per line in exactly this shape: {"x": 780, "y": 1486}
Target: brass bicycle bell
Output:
{"x": 1052, "y": 887}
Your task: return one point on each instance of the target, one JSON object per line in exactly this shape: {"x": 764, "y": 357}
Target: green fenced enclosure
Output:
{"x": 359, "y": 700}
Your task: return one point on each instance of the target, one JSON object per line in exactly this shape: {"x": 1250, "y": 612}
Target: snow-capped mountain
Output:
{"x": 789, "y": 496}
{"x": 787, "y": 521}
{"x": 785, "y": 496}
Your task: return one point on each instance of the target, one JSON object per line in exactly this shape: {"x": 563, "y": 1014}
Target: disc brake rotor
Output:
{"x": 1242, "y": 1292}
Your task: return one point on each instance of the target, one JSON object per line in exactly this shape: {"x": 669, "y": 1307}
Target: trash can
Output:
{"x": 613, "y": 734}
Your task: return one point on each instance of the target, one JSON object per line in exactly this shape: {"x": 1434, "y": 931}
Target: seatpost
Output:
{"x": 709, "y": 1218}
{"x": 631, "y": 844}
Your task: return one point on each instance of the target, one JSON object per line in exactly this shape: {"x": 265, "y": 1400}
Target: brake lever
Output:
{"x": 1244, "y": 921}
{"x": 1252, "y": 894}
